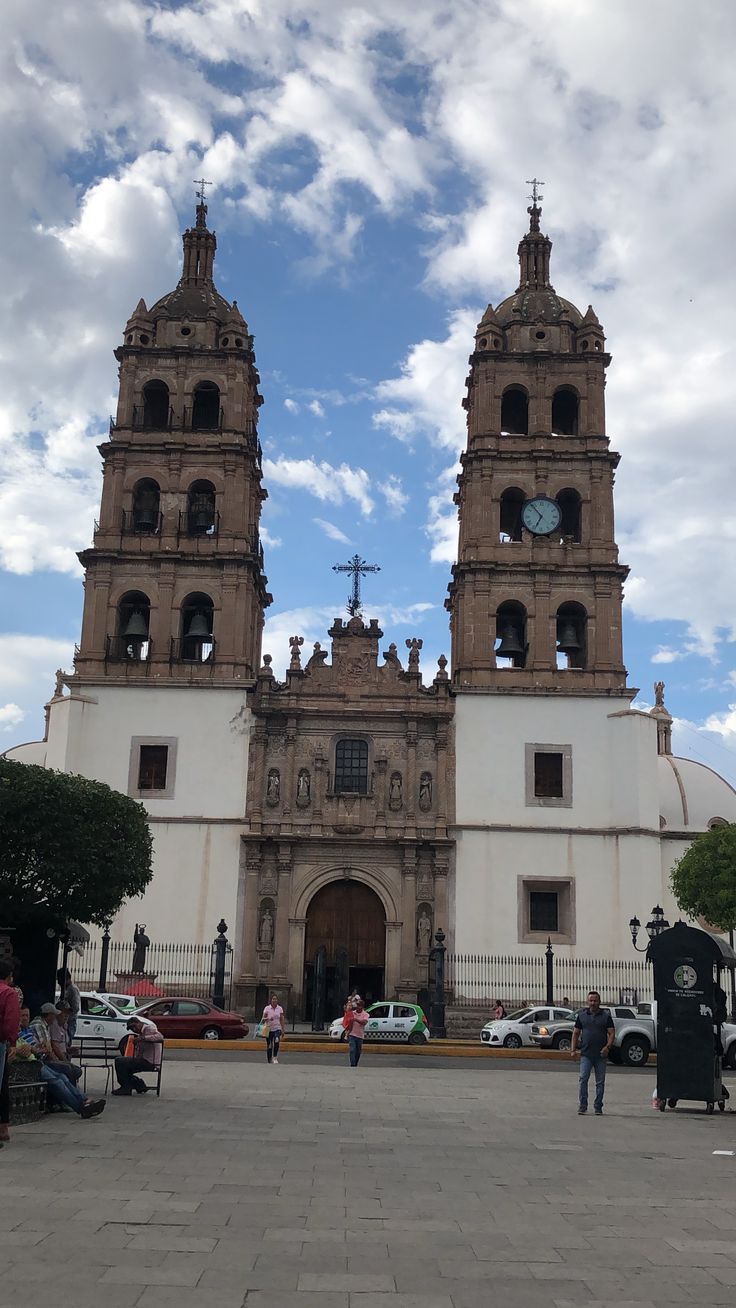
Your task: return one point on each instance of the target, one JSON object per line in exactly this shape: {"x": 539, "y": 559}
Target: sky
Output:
{"x": 369, "y": 167}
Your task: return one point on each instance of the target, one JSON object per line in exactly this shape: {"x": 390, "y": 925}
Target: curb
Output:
{"x": 434, "y": 1049}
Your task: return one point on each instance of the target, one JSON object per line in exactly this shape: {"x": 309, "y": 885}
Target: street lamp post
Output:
{"x": 437, "y": 964}
{"x": 655, "y": 926}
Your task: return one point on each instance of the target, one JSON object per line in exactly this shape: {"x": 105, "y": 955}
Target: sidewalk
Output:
{"x": 306, "y": 1186}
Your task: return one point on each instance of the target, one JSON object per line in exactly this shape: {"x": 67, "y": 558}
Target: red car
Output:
{"x": 193, "y": 1019}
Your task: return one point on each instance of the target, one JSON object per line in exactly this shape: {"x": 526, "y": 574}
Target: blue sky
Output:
{"x": 369, "y": 167}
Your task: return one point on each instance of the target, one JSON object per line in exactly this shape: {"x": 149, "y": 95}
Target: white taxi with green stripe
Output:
{"x": 390, "y": 1020}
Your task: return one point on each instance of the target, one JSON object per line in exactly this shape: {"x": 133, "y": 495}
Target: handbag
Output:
{"x": 262, "y": 1028}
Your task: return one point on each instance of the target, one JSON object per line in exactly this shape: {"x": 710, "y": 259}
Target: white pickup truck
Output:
{"x": 636, "y": 1035}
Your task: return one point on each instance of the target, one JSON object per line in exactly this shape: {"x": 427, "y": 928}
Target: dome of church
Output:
{"x": 536, "y": 304}
{"x": 691, "y": 794}
{"x": 192, "y": 302}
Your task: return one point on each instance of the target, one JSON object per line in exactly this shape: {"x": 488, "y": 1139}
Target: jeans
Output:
{"x": 60, "y": 1090}
{"x": 125, "y": 1069}
{"x": 592, "y": 1063}
{"x": 273, "y": 1040}
{"x": 355, "y": 1045}
{"x": 65, "y": 1069}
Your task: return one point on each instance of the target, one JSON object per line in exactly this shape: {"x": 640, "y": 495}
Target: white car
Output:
{"x": 513, "y": 1031}
{"x": 99, "y": 1018}
{"x": 390, "y": 1021}
{"x": 728, "y": 1040}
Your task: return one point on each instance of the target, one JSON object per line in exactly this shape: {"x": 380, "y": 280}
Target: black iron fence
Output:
{"x": 477, "y": 980}
{"x": 169, "y": 969}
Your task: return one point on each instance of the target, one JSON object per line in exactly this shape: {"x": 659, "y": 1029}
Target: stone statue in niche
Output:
{"x": 303, "y": 788}
{"x": 395, "y": 798}
{"x": 424, "y": 931}
{"x": 425, "y": 791}
{"x": 265, "y": 929}
{"x": 273, "y": 787}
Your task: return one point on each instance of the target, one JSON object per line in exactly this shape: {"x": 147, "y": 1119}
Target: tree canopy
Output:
{"x": 704, "y": 879}
{"x": 69, "y": 847}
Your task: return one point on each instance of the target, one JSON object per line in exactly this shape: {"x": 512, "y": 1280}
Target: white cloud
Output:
{"x": 268, "y": 539}
{"x": 11, "y": 715}
{"x": 316, "y": 408}
{"x": 666, "y": 655}
{"x": 724, "y": 724}
{"x": 332, "y": 531}
{"x": 394, "y": 494}
{"x": 291, "y": 405}
{"x": 23, "y": 658}
{"x": 425, "y": 400}
{"x": 333, "y": 484}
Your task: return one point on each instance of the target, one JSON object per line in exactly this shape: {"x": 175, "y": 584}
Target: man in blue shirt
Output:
{"x": 592, "y": 1038}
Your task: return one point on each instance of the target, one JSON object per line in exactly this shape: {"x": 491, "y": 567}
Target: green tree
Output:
{"x": 704, "y": 879}
{"x": 69, "y": 847}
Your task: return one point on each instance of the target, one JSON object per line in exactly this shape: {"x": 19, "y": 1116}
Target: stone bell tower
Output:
{"x": 535, "y": 599}
{"x": 544, "y": 735}
{"x": 174, "y": 585}
{"x": 174, "y": 598}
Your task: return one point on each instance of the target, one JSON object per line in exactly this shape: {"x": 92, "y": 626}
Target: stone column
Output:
{"x": 256, "y": 781}
{"x": 409, "y": 913}
{"x": 295, "y": 965}
{"x": 440, "y": 781}
{"x": 393, "y": 958}
{"x": 249, "y": 940}
{"x": 287, "y": 780}
{"x": 319, "y": 785}
{"x": 410, "y": 798}
{"x": 381, "y": 773}
{"x": 279, "y": 961}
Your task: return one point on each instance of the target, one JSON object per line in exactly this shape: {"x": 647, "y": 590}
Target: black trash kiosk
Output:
{"x": 691, "y": 1005}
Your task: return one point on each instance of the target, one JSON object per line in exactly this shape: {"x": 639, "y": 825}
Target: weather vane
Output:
{"x": 358, "y": 568}
{"x": 201, "y": 184}
{"x": 536, "y": 194}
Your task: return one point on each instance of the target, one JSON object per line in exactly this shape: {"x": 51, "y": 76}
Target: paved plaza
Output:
{"x": 402, "y": 1185}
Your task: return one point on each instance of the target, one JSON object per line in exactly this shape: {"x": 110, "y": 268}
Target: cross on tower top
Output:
{"x": 536, "y": 194}
{"x": 202, "y": 206}
{"x": 357, "y": 567}
{"x": 201, "y": 183}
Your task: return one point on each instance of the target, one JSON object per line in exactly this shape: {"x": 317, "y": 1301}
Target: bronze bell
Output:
{"x": 510, "y": 645}
{"x": 145, "y": 517}
{"x": 136, "y": 626}
{"x": 199, "y": 627}
{"x": 567, "y": 638}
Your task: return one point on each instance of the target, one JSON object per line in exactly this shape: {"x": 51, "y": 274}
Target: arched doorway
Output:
{"x": 348, "y": 921}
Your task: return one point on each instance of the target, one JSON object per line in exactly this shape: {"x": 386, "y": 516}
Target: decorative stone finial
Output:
{"x": 413, "y": 645}
{"x": 266, "y": 670}
{"x": 59, "y": 686}
{"x": 391, "y": 657}
{"x": 442, "y": 665}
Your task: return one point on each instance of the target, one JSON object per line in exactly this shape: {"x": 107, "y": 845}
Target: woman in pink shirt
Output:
{"x": 356, "y": 1031}
{"x": 273, "y": 1013}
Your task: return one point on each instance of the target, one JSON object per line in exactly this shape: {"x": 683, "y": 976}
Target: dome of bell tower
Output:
{"x": 196, "y": 295}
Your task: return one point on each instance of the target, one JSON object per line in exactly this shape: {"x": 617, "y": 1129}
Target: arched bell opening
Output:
{"x": 572, "y": 622}
{"x": 565, "y": 406}
{"x": 206, "y": 406}
{"x": 571, "y": 507}
{"x": 133, "y": 623}
{"x": 156, "y": 405}
{"x": 510, "y": 521}
{"x": 515, "y": 411}
{"x": 201, "y": 510}
{"x": 511, "y": 643}
{"x": 146, "y": 506}
{"x": 197, "y": 629}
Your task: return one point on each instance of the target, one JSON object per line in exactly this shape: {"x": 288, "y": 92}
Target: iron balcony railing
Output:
{"x": 192, "y": 649}
{"x": 184, "y": 421}
{"x": 141, "y": 522}
{"x": 195, "y": 522}
{"x": 127, "y": 649}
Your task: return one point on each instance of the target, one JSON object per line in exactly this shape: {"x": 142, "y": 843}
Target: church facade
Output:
{"x": 338, "y": 818}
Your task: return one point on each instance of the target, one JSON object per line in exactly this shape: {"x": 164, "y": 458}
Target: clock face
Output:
{"x": 541, "y": 515}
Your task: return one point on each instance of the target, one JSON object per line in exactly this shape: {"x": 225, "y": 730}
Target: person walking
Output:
{"x": 273, "y": 1014}
{"x": 356, "y": 1030}
{"x": 9, "y": 1028}
{"x": 592, "y": 1038}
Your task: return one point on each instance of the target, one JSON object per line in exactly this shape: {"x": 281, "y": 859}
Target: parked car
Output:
{"x": 183, "y": 1018}
{"x": 728, "y": 1039}
{"x": 100, "y": 1018}
{"x": 552, "y": 1035}
{"x": 123, "y": 1002}
{"x": 513, "y": 1031}
{"x": 634, "y": 1040}
{"x": 390, "y": 1021}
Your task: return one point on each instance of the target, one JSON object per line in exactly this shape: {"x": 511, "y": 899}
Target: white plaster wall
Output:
{"x": 607, "y": 841}
{"x": 197, "y": 831}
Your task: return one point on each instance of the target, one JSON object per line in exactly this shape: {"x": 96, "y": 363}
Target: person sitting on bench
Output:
{"x": 143, "y": 1055}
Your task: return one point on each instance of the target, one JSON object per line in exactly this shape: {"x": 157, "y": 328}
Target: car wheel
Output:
{"x": 672, "y": 1103}
{"x": 211, "y": 1033}
{"x": 563, "y": 1041}
{"x": 123, "y": 1045}
{"x": 730, "y": 1059}
{"x": 635, "y": 1051}
{"x": 512, "y": 1041}
{"x": 416, "y": 1038}
{"x": 709, "y": 1107}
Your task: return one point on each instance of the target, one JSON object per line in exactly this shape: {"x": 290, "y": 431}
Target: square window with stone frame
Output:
{"x": 152, "y": 767}
{"x": 544, "y": 911}
{"x": 351, "y": 767}
{"x": 548, "y": 782}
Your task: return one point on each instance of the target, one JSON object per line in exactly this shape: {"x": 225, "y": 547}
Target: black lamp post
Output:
{"x": 220, "y": 949}
{"x": 437, "y": 972}
{"x": 655, "y": 926}
{"x": 104, "y": 957}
